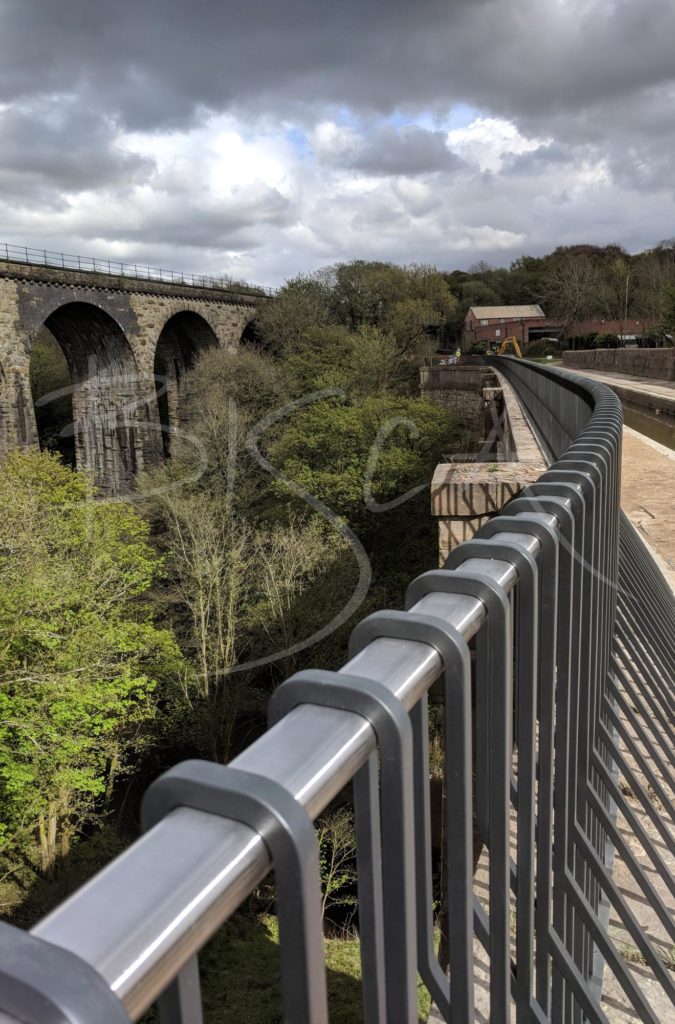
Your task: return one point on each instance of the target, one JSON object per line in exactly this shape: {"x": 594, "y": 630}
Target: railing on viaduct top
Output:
{"x": 549, "y": 595}
{"x": 68, "y": 261}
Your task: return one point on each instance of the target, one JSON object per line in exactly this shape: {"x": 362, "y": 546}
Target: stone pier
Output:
{"x": 464, "y": 495}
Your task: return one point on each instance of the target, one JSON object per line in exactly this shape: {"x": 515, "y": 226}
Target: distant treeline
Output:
{"x": 576, "y": 283}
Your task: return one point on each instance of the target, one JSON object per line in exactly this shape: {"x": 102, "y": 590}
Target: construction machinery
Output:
{"x": 507, "y": 344}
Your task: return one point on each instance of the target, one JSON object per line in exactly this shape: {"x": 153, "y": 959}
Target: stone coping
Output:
{"x": 471, "y": 489}
{"x": 524, "y": 445}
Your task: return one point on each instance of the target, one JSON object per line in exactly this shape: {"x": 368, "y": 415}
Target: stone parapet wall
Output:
{"x": 119, "y": 283}
{"x": 459, "y": 389}
{"x": 465, "y": 495}
{"x": 655, "y": 363}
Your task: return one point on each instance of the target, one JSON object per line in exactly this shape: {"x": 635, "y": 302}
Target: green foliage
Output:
{"x": 300, "y": 305}
{"x": 337, "y": 857}
{"x": 240, "y": 972}
{"x": 371, "y": 463}
{"x": 362, "y": 362}
{"x": 80, "y": 657}
{"x": 333, "y": 449}
{"x": 667, "y": 326}
{"x": 320, "y": 359}
{"x": 411, "y": 305}
{"x": 229, "y": 392}
{"x": 607, "y": 340}
{"x": 541, "y": 347}
{"x": 50, "y": 386}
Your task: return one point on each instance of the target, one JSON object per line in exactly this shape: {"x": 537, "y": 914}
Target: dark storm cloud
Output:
{"x": 57, "y": 146}
{"x": 410, "y": 151}
{"x": 537, "y": 160}
{"x": 159, "y": 62}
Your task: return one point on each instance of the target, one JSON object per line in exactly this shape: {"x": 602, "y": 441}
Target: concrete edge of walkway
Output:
{"x": 669, "y": 454}
{"x": 656, "y": 445}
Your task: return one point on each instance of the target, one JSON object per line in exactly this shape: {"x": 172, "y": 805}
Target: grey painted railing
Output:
{"x": 90, "y": 264}
{"x": 570, "y": 624}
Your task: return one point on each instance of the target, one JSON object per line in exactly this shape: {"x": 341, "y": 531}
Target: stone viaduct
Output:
{"x": 127, "y": 342}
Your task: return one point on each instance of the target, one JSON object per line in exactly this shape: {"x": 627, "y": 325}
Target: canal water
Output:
{"x": 660, "y": 427}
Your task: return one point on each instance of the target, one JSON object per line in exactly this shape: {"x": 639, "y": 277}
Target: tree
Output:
{"x": 247, "y": 576}
{"x": 301, "y": 304}
{"x": 417, "y": 316}
{"x": 336, "y": 837}
{"x": 667, "y": 325}
{"x": 571, "y": 286}
{"x": 363, "y": 362}
{"x": 208, "y": 558}
{"x": 362, "y": 291}
{"x": 371, "y": 462}
{"x": 50, "y": 386}
{"x": 227, "y": 394}
{"x": 654, "y": 276}
{"x": 80, "y": 657}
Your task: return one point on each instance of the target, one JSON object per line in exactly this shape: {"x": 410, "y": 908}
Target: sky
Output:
{"x": 265, "y": 138}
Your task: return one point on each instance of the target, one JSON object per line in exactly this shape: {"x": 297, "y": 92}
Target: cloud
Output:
{"x": 266, "y": 138}
{"x": 60, "y": 146}
{"x": 409, "y": 151}
{"x": 162, "y": 61}
{"x": 489, "y": 142}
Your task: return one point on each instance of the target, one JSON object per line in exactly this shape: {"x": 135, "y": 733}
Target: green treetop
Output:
{"x": 80, "y": 658}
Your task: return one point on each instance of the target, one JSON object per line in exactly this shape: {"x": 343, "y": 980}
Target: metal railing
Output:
{"x": 550, "y": 594}
{"x": 139, "y": 271}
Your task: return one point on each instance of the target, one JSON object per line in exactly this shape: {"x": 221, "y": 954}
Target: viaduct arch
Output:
{"x": 183, "y": 338}
{"x": 128, "y": 345}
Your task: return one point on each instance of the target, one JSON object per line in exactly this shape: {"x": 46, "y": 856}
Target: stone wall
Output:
{"x": 459, "y": 389}
{"x": 655, "y": 363}
{"x": 464, "y": 496}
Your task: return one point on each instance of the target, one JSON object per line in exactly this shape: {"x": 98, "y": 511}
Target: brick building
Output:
{"x": 492, "y": 324}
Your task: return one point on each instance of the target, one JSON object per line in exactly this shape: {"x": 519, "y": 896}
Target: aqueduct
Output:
{"x": 127, "y": 344}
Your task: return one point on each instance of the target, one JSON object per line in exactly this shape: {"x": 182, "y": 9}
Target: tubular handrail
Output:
{"x": 138, "y": 949}
{"x": 142, "y": 920}
{"x": 89, "y": 264}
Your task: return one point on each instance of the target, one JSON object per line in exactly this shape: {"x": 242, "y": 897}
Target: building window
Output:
{"x": 484, "y": 323}
{"x": 497, "y": 332}
{"x": 502, "y": 320}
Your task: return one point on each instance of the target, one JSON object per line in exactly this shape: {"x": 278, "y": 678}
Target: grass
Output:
{"x": 633, "y": 955}
{"x": 240, "y": 976}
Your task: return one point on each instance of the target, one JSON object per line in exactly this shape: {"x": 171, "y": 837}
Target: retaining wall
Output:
{"x": 656, "y": 363}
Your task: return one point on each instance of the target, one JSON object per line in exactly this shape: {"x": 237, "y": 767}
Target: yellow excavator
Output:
{"x": 507, "y": 344}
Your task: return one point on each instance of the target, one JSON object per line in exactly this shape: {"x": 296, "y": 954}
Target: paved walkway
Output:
{"x": 641, "y": 390}
{"x": 648, "y": 469}
{"x": 648, "y": 496}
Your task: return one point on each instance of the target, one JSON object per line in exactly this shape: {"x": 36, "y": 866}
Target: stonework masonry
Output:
{"x": 459, "y": 389}
{"x": 109, "y": 329}
{"x": 656, "y": 363}
{"x": 464, "y": 496}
